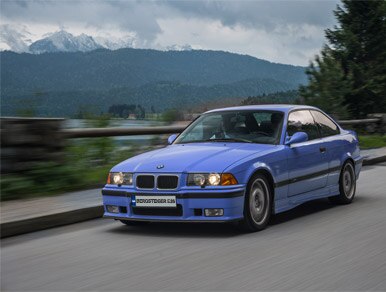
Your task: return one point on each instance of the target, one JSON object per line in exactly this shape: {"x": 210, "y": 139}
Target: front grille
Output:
{"x": 165, "y": 182}
{"x": 158, "y": 211}
{"x": 145, "y": 181}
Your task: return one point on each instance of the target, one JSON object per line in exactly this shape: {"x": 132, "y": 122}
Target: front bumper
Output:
{"x": 190, "y": 205}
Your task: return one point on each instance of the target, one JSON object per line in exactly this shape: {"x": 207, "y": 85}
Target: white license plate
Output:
{"x": 155, "y": 201}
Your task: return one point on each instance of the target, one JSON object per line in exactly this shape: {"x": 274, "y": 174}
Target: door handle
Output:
{"x": 322, "y": 149}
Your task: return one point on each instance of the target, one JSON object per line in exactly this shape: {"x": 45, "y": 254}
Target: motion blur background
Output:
{"x": 87, "y": 84}
{"x": 140, "y": 64}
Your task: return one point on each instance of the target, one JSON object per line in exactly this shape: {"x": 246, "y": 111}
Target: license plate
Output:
{"x": 154, "y": 201}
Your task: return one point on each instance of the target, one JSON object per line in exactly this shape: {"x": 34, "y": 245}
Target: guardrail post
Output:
{"x": 379, "y": 127}
{"x": 26, "y": 141}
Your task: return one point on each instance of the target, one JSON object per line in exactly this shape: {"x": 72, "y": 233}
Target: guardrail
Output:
{"x": 110, "y": 132}
{"x": 26, "y": 141}
{"x": 359, "y": 122}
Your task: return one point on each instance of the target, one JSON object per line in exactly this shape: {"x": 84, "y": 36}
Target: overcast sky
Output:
{"x": 290, "y": 32}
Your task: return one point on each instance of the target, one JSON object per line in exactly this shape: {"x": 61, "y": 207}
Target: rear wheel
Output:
{"x": 347, "y": 185}
{"x": 257, "y": 205}
{"x": 134, "y": 223}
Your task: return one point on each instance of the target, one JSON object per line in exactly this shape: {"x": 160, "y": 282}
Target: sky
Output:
{"x": 290, "y": 32}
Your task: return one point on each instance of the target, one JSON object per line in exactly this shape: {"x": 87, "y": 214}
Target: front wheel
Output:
{"x": 347, "y": 185}
{"x": 257, "y": 205}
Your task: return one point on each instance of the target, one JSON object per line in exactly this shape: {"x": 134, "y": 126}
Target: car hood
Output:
{"x": 195, "y": 157}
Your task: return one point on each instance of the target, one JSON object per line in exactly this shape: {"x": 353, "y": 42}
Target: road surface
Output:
{"x": 317, "y": 246}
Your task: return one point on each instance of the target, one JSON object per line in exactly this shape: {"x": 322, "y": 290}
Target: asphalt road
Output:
{"x": 317, "y": 246}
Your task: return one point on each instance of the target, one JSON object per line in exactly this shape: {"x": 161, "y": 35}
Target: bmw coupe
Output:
{"x": 239, "y": 164}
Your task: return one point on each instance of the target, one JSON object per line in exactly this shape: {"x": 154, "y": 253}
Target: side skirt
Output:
{"x": 292, "y": 202}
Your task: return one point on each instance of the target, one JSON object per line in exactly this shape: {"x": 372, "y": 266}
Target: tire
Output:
{"x": 257, "y": 204}
{"x": 347, "y": 185}
{"x": 134, "y": 223}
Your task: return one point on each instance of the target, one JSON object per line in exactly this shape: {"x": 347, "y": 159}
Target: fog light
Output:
{"x": 112, "y": 209}
{"x": 214, "y": 212}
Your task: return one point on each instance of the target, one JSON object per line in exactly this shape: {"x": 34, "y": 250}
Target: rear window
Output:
{"x": 326, "y": 125}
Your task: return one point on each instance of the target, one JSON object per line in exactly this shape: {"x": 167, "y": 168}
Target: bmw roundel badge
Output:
{"x": 160, "y": 166}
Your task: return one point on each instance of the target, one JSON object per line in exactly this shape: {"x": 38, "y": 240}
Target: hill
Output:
{"x": 60, "y": 83}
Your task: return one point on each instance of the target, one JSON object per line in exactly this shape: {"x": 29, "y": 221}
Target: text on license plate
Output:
{"x": 154, "y": 201}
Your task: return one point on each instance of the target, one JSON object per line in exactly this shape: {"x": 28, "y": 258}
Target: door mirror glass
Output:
{"x": 172, "y": 138}
{"x": 298, "y": 137}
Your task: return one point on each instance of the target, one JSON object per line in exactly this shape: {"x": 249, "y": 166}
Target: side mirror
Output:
{"x": 298, "y": 137}
{"x": 172, "y": 138}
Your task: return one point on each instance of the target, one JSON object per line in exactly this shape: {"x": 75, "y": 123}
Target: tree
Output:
{"x": 349, "y": 76}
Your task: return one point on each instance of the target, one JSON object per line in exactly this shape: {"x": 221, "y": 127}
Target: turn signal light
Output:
{"x": 228, "y": 179}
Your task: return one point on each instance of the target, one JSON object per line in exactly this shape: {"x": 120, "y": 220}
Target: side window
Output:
{"x": 302, "y": 121}
{"x": 327, "y": 127}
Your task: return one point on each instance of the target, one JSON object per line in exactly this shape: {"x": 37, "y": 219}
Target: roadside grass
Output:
{"x": 372, "y": 141}
{"x": 85, "y": 165}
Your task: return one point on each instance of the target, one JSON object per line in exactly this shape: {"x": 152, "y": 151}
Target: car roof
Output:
{"x": 272, "y": 107}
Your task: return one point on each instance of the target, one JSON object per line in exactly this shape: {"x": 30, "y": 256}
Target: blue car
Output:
{"x": 238, "y": 164}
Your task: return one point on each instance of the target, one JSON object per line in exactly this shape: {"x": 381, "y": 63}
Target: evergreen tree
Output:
{"x": 349, "y": 76}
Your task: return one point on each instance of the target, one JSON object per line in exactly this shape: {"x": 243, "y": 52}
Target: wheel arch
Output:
{"x": 270, "y": 179}
{"x": 347, "y": 157}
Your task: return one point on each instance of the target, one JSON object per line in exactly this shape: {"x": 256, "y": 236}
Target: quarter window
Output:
{"x": 302, "y": 121}
{"x": 326, "y": 125}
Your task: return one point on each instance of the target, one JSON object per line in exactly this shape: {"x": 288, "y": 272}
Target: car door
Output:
{"x": 307, "y": 161}
{"x": 334, "y": 146}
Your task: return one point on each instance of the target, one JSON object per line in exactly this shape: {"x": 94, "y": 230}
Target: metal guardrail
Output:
{"x": 110, "y": 132}
{"x": 27, "y": 141}
{"x": 359, "y": 122}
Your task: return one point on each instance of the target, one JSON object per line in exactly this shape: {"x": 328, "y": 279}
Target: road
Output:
{"x": 317, "y": 246}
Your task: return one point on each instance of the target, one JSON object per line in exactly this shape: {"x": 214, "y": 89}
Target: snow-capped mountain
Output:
{"x": 63, "y": 41}
{"x": 114, "y": 43}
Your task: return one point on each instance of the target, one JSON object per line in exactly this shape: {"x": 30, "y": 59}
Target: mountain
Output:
{"x": 61, "y": 83}
{"x": 114, "y": 43}
{"x": 63, "y": 41}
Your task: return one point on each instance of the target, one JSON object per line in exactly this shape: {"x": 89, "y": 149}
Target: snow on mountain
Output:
{"x": 114, "y": 43}
{"x": 63, "y": 41}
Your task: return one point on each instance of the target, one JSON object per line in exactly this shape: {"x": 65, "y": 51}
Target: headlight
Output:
{"x": 214, "y": 179}
{"x": 211, "y": 179}
{"x": 120, "y": 178}
{"x": 199, "y": 179}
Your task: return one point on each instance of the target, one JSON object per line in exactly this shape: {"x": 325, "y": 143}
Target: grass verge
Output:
{"x": 372, "y": 141}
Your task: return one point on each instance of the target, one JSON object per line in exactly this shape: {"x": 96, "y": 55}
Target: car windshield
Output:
{"x": 235, "y": 126}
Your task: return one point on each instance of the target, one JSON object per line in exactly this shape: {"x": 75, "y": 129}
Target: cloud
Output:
{"x": 259, "y": 14}
{"x": 260, "y": 28}
{"x": 12, "y": 39}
